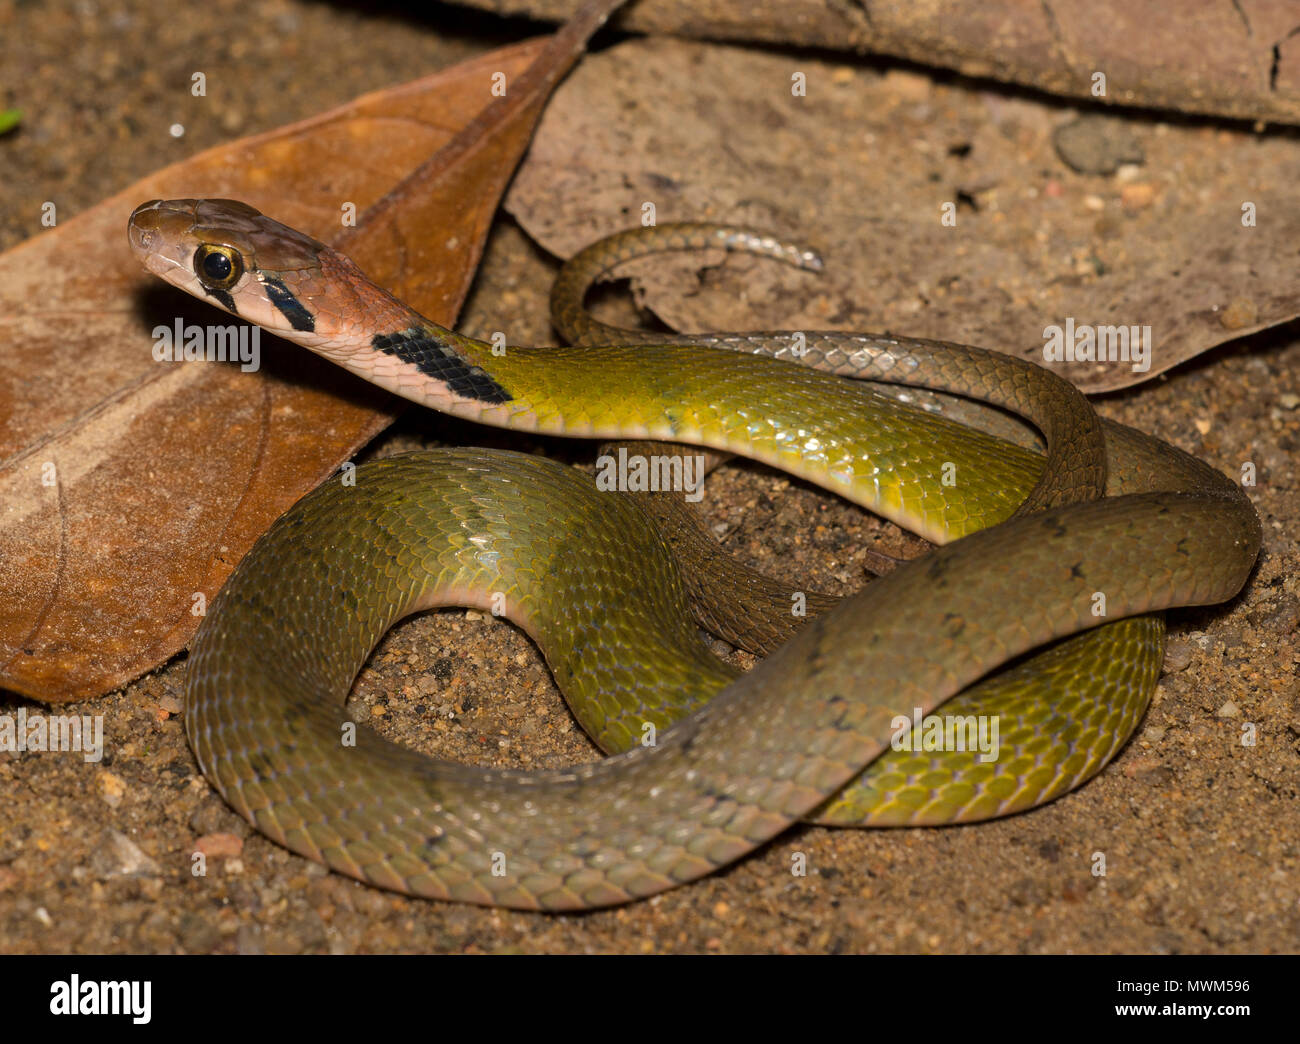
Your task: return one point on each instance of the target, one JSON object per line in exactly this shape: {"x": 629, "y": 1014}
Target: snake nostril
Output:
{"x": 142, "y": 239}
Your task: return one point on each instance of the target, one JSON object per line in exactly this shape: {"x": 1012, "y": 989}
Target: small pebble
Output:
{"x": 111, "y": 788}
{"x": 1137, "y": 196}
{"x": 1095, "y": 144}
{"x": 1240, "y": 313}
{"x": 1156, "y": 775}
{"x": 1178, "y": 654}
{"x": 1228, "y": 710}
{"x": 119, "y": 856}
{"x": 220, "y": 846}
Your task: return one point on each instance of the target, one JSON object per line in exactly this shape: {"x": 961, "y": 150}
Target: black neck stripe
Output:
{"x": 290, "y": 307}
{"x": 438, "y": 360}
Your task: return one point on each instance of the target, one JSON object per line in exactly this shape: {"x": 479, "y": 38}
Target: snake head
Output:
{"x": 231, "y": 254}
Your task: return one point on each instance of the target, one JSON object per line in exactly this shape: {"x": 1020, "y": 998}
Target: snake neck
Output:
{"x": 444, "y": 368}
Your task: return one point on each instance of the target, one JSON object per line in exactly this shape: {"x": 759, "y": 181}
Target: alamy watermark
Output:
{"x": 950, "y": 732}
{"x": 130, "y": 997}
{"x": 60, "y": 733}
{"x": 637, "y": 473}
{"x": 229, "y": 342}
{"x": 1084, "y": 343}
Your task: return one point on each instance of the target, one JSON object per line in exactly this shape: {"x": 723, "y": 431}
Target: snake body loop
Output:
{"x": 747, "y": 755}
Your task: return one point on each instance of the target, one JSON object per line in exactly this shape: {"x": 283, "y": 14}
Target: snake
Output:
{"x": 1040, "y": 605}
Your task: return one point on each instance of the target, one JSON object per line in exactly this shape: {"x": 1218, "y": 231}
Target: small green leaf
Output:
{"x": 9, "y": 119}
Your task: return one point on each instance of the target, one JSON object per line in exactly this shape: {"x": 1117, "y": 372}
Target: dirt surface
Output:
{"x": 1199, "y": 832}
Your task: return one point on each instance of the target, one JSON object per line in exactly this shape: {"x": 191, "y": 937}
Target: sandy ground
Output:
{"x": 1199, "y": 832}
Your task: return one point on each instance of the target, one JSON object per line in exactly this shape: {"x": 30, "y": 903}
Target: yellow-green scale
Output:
{"x": 933, "y": 476}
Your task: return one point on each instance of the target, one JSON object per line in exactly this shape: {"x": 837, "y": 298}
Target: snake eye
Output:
{"x": 218, "y": 267}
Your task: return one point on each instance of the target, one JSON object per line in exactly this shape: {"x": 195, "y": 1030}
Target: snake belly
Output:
{"x": 277, "y": 654}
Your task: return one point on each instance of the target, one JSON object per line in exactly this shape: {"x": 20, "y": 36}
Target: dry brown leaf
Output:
{"x": 864, "y": 171}
{"x": 1236, "y": 58}
{"x": 131, "y": 488}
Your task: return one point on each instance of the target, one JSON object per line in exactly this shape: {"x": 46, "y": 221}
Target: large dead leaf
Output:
{"x": 864, "y": 170}
{"x": 1234, "y": 58}
{"x": 131, "y": 488}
